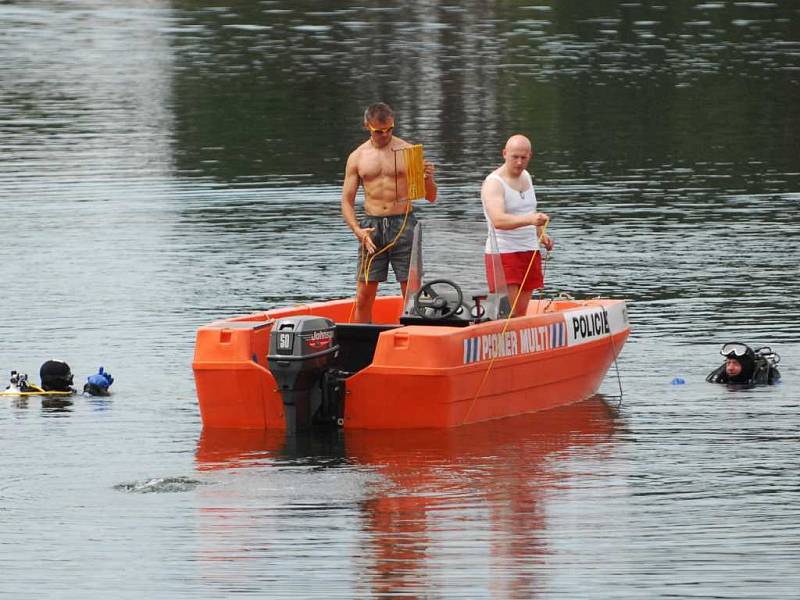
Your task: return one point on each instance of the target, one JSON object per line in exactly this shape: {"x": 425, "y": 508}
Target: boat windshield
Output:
{"x": 457, "y": 252}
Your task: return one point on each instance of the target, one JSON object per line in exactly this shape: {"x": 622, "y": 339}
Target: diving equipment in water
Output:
{"x": 758, "y": 367}
{"x": 98, "y": 384}
{"x": 20, "y": 386}
{"x": 56, "y": 376}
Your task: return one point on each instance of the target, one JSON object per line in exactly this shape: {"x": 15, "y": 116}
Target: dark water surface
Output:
{"x": 166, "y": 164}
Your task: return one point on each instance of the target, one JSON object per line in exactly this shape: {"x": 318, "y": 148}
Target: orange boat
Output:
{"x": 439, "y": 359}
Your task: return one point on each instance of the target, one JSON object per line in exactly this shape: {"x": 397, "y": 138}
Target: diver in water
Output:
{"x": 98, "y": 384}
{"x": 56, "y": 376}
{"x": 57, "y": 379}
{"x": 745, "y": 366}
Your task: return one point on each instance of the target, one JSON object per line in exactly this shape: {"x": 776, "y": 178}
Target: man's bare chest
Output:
{"x": 387, "y": 164}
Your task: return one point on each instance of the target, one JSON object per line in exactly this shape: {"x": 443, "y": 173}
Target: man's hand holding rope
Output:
{"x": 365, "y": 237}
{"x": 541, "y": 220}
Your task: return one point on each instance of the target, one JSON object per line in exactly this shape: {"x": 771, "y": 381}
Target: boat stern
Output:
{"x": 235, "y": 388}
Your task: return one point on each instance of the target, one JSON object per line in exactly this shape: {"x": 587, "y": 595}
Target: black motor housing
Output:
{"x": 56, "y": 376}
{"x": 301, "y": 350}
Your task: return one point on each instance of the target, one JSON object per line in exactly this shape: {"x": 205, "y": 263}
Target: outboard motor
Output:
{"x": 56, "y": 376}
{"x": 301, "y": 349}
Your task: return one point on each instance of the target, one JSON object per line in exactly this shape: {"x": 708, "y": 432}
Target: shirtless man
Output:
{"x": 509, "y": 203}
{"x": 373, "y": 165}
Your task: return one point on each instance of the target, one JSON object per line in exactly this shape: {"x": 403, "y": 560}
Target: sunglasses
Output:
{"x": 379, "y": 130}
{"x": 735, "y": 348}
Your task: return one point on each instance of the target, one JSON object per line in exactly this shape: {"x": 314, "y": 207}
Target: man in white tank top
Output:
{"x": 509, "y": 203}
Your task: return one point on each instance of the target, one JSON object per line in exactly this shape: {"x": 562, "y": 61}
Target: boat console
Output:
{"x": 443, "y": 302}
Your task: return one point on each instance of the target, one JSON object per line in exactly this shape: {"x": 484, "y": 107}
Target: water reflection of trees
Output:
{"x": 266, "y": 90}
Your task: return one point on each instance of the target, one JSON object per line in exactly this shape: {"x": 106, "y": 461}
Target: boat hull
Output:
{"x": 421, "y": 376}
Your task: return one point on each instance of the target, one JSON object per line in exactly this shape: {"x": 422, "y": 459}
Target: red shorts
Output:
{"x": 514, "y": 266}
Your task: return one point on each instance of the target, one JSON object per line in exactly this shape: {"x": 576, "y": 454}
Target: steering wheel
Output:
{"x": 440, "y": 308}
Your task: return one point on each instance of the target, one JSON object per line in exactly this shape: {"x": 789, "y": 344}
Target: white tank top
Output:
{"x": 520, "y": 239}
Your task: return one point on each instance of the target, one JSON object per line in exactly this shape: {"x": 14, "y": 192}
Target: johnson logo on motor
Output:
{"x": 319, "y": 340}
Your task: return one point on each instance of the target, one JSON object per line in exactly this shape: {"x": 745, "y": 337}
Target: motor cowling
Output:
{"x": 301, "y": 349}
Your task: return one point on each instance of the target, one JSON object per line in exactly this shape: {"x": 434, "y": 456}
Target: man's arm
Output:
{"x": 349, "y": 191}
{"x": 493, "y": 196}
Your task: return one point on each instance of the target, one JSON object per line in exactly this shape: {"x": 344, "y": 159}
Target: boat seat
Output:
{"x": 357, "y": 343}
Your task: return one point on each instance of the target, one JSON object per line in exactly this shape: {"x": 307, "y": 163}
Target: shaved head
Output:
{"x": 517, "y": 153}
{"x": 518, "y": 143}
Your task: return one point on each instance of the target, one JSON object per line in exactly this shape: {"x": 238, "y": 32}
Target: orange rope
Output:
{"x": 505, "y": 325}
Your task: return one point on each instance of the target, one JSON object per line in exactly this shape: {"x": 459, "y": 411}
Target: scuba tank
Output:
{"x": 766, "y": 370}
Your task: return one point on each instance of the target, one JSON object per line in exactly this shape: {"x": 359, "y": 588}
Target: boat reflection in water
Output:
{"x": 463, "y": 501}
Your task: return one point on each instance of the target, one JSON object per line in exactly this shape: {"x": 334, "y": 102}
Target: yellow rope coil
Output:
{"x": 413, "y": 157}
